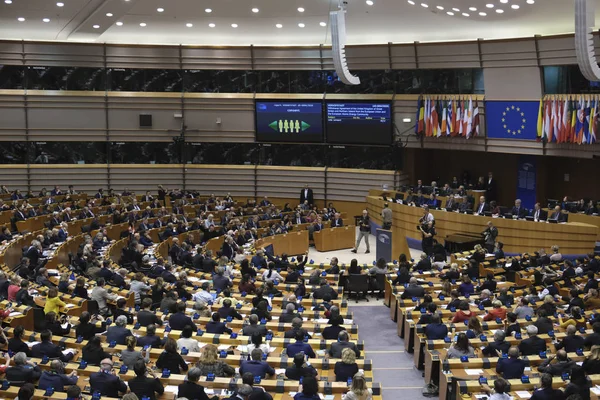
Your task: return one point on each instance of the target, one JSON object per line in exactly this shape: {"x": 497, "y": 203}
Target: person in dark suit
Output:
{"x": 106, "y": 381}
{"x": 424, "y": 263}
{"x": 144, "y": 386}
{"x": 558, "y": 215}
{"x": 150, "y": 339}
{"x": 572, "y": 342}
{"x": 179, "y": 320}
{"x": 511, "y": 367}
{"x": 498, "y": 347}
{"x": 306, "y": 194}
{"x": 337, "y": 221}
{"x": 538, "y": 214}
{"x": 256, "y": 366}
{"x": 300, "y": 369}
{"x": 300, "y": 347}
{"x": 518, "y": 210}
{"x": 491, "y": 188}
{"x": 248, "y": 330}
{"x": 49, "y": 349}
{"x": 119, "y": 332}
{"x": 562, "y": 365}
{"x": 436, "y": 330}
{"x": 216, "y": 326}
{"x": 24, "y": 370}
{"x": 413, "y": 290}
{"x": 190, "y": 389}
{"x": 483, "y": 206}
{"x": 546, "y": 392}
{"x": 533, "y": 345}
{"x": 227, "y": 311}
{"x": 323, "y": 290}
{"x": 335, "y": 351}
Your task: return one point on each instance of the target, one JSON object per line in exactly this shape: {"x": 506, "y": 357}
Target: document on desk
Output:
{"x": 223, "y": 347}
{"x": 172, "y": 389}
{"x": 31, "y": 344}
{"x": 596, "y": 390}
{"x": 473, "y": 371}
{"x": 15, "y": 313}
{"x": 523, "y": 394}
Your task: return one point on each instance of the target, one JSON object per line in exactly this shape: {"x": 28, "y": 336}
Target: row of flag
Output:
{"x": 563, "y": 120}
{"x": 455, "y": 117}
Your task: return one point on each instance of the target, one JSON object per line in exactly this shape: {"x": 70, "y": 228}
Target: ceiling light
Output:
{"x": 119, "y": 23}
{"x": 96, "y": 26}
{"x": 323, "y": 23}
{"x": 489, "y": 5}
{"x": 189, "y": 25}
{"x": 21, "y": 19}
{"x": 482, "y": 14}
{"x": 279, "y": 26}
{"x": 160, "y": 9}
{"x": 440, "y": 7}
{"x": 499, "y": 10}
{"x": 455, "y": 9}
{"x": 465, "y": 14}
{"x": 530, "y": 1}
{"x": 255, "y": 10}
{"x": 109, "y": 14}
{"x": 301, "y": 25}
{"x": 60, "y": 4}
{"x": 406, "y": 120}
{"x": 234, "y": 25}
{"x": 46, "y": 19}
{"x": 504, "y": 1}
{"x": 515, "y": 6}
{"x": 424, "y": 5}
{"x": 449, "y": 13}
{"x": 142, "y": 24}
{"x": 211, "y": 25}
{"x": 369, "y": 2}
{"x": 207, "y": 10}
{"x": 8, "y": 1}
{"x": 473, "y": 8}
{"x": 300, "y": 9}
{"x": 412, "y": 3}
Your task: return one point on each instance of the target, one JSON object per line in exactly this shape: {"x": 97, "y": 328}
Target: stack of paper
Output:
{"x": 523, "y": 394}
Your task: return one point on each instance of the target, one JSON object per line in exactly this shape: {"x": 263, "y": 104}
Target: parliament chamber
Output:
{"x": 367, "y": 200}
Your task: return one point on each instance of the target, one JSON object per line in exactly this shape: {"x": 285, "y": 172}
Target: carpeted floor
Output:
{"x": 392, "y": 367}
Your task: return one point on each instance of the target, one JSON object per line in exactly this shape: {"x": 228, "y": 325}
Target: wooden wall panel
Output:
{"x": 14, "y": 177}
{"x": 448, "y": 55}
{"x": 125, "y": 56}
{"x": 287, "y": 181}
{"x": 63, "y": 54}
{"x": 509, "y": 53}
{"x": 140, "y": 178}
{"x": 354, "y": 186}
{"x": 286, "y": 58}
{"x": 368, "y": 57}
{"x": 221, "y": 179}
{"x": 12, "y": 115}
{"x": 193, "y": 57}
{"x": 85, "y": 178}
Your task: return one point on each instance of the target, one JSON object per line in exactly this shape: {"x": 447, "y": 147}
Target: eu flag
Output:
{"x": 512, "y": 119}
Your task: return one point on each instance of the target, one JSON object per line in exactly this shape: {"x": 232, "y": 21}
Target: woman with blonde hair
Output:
{"x": 591, "y": 365}
{"x": 130, "y": 355}
{"x": 346, "y": 368}
{"x": 446, "y": 289}
{"x": 209, "y": 363}
{"x": 359, "y": 389}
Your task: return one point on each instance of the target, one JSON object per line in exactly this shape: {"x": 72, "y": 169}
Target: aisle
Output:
{"x": 392, "y": 367}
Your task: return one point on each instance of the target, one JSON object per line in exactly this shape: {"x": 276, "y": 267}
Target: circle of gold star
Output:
{"x": 523, "y": 120}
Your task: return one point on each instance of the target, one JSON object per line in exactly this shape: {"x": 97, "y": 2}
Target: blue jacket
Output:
{"x": 118, "y": 334}
{"x": 179, "y": 320}
{"x": 297, "y": 347}
{"x": 436, "y": 331}
{"x": 511, "y": 368}
{"x": 258, "y": 368}
{"x": 56, "y": 381}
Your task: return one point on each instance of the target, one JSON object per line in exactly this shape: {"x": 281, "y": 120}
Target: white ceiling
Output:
{"x": 385, "y": 21}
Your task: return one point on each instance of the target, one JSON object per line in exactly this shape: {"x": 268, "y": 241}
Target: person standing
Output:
{"x": 364, "y": 229}
{"x": 386, "y": 215}
{"x": 306, "y": 194}
{"x": 428, "y": 232}
{"x": 490, "y": 234}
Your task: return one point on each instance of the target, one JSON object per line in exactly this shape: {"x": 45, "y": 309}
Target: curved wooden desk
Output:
{"x": 518, "y": 236}
{"x": 330, "y": 239}
{"x": 292, "y": 244}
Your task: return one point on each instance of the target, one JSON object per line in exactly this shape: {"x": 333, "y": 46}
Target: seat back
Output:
{"x": 39, "y": 319}
{"x": 93, "y": 307}
{"x": 358, "y": 283}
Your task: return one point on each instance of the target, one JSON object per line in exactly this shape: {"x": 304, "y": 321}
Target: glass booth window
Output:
{"x": 67, "y": 153}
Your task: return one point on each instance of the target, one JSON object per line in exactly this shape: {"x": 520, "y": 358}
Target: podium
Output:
{"x": 329, "y": 239}
{"x": 384, "y": 244}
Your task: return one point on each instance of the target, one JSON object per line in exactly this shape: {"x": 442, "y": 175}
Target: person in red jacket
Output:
{"x": 463, "y": 314}
{"x": 496, "y": 312}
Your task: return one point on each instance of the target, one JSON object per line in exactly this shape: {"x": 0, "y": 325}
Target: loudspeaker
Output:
{"x": 145, "y": 120}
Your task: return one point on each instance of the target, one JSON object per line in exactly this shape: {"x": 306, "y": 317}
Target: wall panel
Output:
{"x": 448, "y": 55}
{"x": 509, "y": 53}
{"x": 141, "y": 178}
{"x": 520, "y": 83}
{"x": 297, "y": 58}
{"x": 354, "y": 186}
{"x": 287, "y": 181}
{"x": 216, "y": 57}
{"x": 63, "y": 54}
{"x": 129, "y": 56}
{"x": 221, "y": 179}
{"x": 12, "y": 115}
{"x": 14, "y": 177}
{"x": 85, "y": 178}
{"x": 368, "y": 57}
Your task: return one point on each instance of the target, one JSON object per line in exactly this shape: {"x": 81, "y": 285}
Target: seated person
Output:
{"x": 511, "y": 367}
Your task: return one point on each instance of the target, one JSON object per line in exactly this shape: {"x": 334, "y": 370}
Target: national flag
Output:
{"x": 571, "y": 133}
{"x": 586, "y": 123}
{"x": 540, "y": 121}
{"x": 449, "y": 118}
{"x": 476, "y": 121}
{"x": 565, "y": 122}
{"x": 460, "y": 119}
{"x": 580, "y": 121}
{"x": 444, "y": 126}
{"x": 434, "y": 119}
{"x": 594, "y": 123}
{"x": 419, "y": 119}
{"x": 546, "y": 120}
{"x": 457, "y": 118}
{"x": 427, "y": 117}
{"x": 438, "y": 123}
{"x": 470, "y": 118}
{"x": 465, "y": 121}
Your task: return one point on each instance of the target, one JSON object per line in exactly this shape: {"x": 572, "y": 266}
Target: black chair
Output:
{"x": 39, "y": 319}
{"x": 358, "y": 283}
{"x": 93, "y": 308}
{"x": 378, "y": 282}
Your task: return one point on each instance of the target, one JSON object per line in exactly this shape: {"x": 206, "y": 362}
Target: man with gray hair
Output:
{"x": 106, "y": 381}
{"x": 296, "y": 326}
{"x": 248, "y": 330}
{"x": 498, "y": 347}
{"x": 290, "y": 313}
{"x": 533, "y": 345}
{"x": 190, "y": 389}
{"x": 364, "y": 229}
{"x": 220, "y": 281}
{"x": 56, "y": 377}
{"x": 243, "y": 393}
{"x": 24, "y": 370}
{"x": 336, "y": 348}
{"x": 413, "y": 289}
{"x": 119, "y": 332}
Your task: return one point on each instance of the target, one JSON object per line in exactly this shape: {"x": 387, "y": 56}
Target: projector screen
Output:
{"x": 289, "y": 121}
{"x": 359, "y": 123}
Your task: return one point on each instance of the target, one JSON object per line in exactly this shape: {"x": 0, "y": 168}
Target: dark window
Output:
{"x": 12, "y": 77}
{"x": 145, "y": 153}
{"x": 68, "y": 153}
{"x": 13, "y": 152}
{"x": 145, "y": 80}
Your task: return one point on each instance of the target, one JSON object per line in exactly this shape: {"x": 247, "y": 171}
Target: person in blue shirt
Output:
{"x": 179, "y": 320}
{"x": 216, "y": 326}
{"x": 256, "y": 366}
{"x": 511, "y": 367}
{"x": 308, "y": 390}
{"x": 466, "y": 287}
{"x": 436, "y": 330}
{"x": 295, "y": 348}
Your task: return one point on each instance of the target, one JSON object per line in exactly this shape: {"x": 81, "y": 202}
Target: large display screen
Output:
{"x": 289, "y": 121}
{"x": 362, "y": 123}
